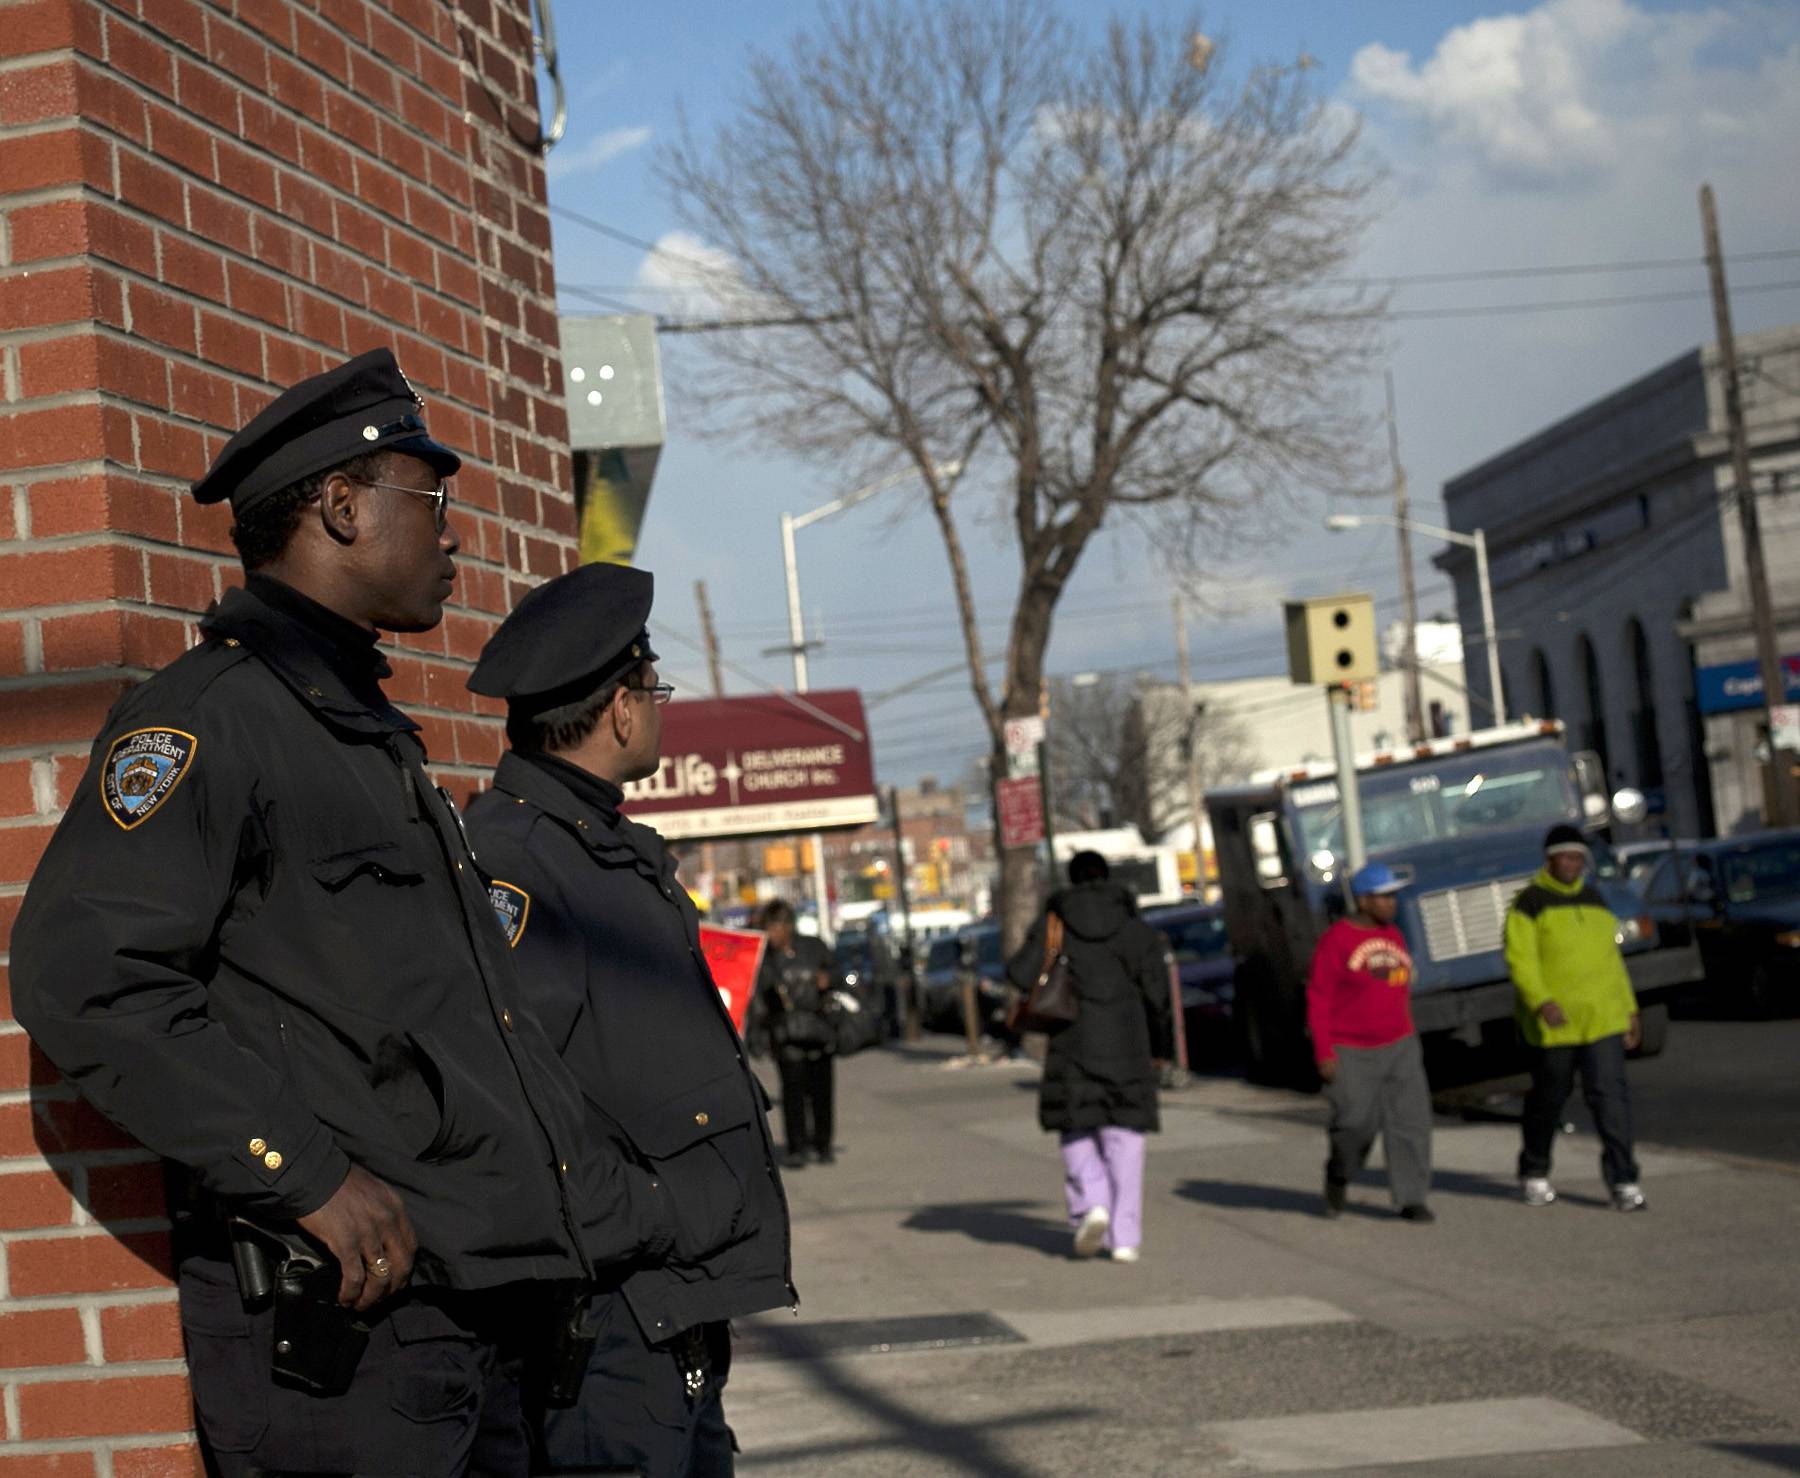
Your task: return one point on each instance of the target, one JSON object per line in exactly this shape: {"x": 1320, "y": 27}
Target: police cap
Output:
{"x": 568, "y": 638}
{"x": 365, "y": 405}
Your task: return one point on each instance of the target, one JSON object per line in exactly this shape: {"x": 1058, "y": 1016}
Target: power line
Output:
{"x": 1491, "y": 310}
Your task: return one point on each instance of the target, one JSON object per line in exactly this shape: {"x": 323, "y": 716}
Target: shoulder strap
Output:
{"x": 1053, "y": 938}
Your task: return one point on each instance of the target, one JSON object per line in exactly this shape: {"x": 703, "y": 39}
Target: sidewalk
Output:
{"x": 1255, "y": 1336}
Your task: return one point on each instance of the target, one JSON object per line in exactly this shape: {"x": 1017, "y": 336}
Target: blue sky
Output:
{"x": 1571, "y": 131}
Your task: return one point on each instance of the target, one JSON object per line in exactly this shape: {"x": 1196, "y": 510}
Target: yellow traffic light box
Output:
{"x": 1331, "y": 639}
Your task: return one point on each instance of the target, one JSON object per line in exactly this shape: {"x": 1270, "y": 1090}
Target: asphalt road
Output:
{"x": 1724, "y": 1086}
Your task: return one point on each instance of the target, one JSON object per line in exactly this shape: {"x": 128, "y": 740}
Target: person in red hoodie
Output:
{"x": 1359, "y": 1007}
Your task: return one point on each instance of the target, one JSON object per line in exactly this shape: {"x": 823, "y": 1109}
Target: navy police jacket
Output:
{"x": 607, "y": 945}
{"x": 258, "y": 943}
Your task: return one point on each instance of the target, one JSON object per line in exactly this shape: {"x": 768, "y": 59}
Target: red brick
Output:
{"x": 194, "y": 267}
{"x": 105, "y": 1408}
{"x": 325, "y": 159}
{"x": 39, "y": 1336}
{"x": 349, "y": 16}
{"x": 12, "y": 651}
{"x": 234, "y": 345}
{"x": 340, "y": 274}
{"x": 144, "y": 58}
{"x": 201, "y": 395}
{"x": 59, "y": 576}
{"x": 244, "y": 55}
{"x": 153, "y": 642}
{"x": 170, "y": 447}
{"x": 46, "y": 438}
{"x": 319, "y": 44}
{"x": 53, "y": 295}
{"x": 121, "y": 238}
{"x": 59, "y": 366}
{"x": 91, "y": 639}
{"x": 151, "y": 187}
{"x": 57, "y": 228}
{"x": 140, "y": 1331}
{"x": 220, "y": 220}
{"x": 361, "y": 231}
{"x": 176, "y": 1460}
{"x": 291, "y": 361}
{"x": 39, "y": 25}
{"x": 320, "y": 320}
{"x": 350, "y": 118}
{"x": 69, "y": 505}
{"x": 29, "y": 1199}
{"x": 403, "y": 151}
{"x": 112, "y": 104}
{"x": 16, "y": 797}
{"x": 67, "y": 156}
{"x": 258, "y": 294}
{"x": 295, "y": 88}
{"x": 37, "y": 94}
{"x": 248, "y": 174}
{"x": 176, "y": 580}
{"x": 183, "y": 21}
{"x": 48, "y": 1465}
{"x": 392, "y": 300}
{"x": 280, "y": 249}
{"x": 181, "y": 142}
{"x": 127, "y": 1192}
{"x": 206, "y": 527}
{"x": 203, "y": 92}
{"x": 161, "y": 317}
{"x": 270, "y": 128}
{"x": 274, "y": 21}
{"x": 21, "y": 849}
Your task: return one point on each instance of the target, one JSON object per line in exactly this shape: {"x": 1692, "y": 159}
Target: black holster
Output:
{"x": 318, "y": 1343}
{"x": 573, "y": 1334}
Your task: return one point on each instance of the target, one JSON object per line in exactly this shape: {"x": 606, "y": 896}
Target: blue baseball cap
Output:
{"x": 1374, "y": 878}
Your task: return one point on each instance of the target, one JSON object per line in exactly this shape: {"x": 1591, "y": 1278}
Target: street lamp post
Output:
{"x": 790, "y": 524}
{"x": 1476, "y": 541}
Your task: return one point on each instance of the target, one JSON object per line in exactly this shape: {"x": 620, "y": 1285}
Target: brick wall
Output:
{"x": 199, "y": 204}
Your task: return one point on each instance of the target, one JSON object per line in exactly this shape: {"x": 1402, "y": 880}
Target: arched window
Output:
{"x": 1594, "y": 735}
{"x": 1643, "y": 717}
{"x": 1546, "y": 689}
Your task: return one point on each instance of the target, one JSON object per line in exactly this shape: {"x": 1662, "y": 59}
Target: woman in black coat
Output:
{"x": 1100, "y": 1076}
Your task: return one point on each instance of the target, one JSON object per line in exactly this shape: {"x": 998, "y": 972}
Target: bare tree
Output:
{"x": 1118, "y": 753}
{"x": 1060, "y": 281}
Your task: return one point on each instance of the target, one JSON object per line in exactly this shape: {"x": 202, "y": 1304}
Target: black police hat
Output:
{"x": 568, "y": 637}
{"x": 366, "y": 405}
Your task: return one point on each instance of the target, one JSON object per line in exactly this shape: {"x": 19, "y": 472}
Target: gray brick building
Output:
{"x": 1618, "y": 576}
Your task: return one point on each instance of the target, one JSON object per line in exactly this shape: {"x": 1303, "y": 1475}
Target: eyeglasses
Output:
{"x": 439, "y": 497}
{"x": 660, "y": 693}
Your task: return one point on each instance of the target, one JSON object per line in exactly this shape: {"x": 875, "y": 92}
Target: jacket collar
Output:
{"x": 1547, "y": 879}
{"x": 325, "y": 670}
{"x": 522, "y": 780}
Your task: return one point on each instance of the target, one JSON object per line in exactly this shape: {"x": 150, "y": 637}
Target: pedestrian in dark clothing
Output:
{"x": 607, "y": 946}
{"x": 1359, "y": 1008}
{"x": 1577, "y": 1013}
{"x": 258, "y": 943}
{"x": 794, "y": 1019}
{"x": 1099, "y": 1085}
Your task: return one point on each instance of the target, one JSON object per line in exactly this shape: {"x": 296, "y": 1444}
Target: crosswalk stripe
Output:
{"x": 1414, "y": 1434}
{"x": 1050, "y": 1327}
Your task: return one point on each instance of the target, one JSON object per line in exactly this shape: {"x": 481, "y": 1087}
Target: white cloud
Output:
{"x": 688, "y": 278}
{"x": 601, "y": 149}
{"x": 1571, "y": 92}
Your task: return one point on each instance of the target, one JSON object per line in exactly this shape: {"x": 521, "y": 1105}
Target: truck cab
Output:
{"x": 1462, "y": 821}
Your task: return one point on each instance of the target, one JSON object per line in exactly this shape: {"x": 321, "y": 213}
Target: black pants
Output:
{"x": 635, "y": 1415}
{"x": 437, "y": 1390}
{"x": 1608, "y": 1096}
{"x": 806, "y": 1094}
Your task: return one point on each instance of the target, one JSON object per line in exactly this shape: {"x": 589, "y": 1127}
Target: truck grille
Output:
{"x": 1468, "y": 921}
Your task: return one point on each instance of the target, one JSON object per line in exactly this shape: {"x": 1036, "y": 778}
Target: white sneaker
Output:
{"x": 1538, "y": 1190}
{"x": 1091, "y": 1232}
{"x": 1629, "y": 1197}
{"x": 1124, "y": 1254}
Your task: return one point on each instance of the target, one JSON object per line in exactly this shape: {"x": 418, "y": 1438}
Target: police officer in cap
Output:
{"x": 259, "y": 944}
{"x": 608, "y": 949}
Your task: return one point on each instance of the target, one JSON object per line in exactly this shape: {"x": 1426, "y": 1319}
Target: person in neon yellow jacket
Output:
{"x": 1577, "y": 1012}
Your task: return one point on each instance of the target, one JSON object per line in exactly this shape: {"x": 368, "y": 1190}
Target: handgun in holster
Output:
{"x": 318, "y": 1342}
{"x": 574, "y": 1330}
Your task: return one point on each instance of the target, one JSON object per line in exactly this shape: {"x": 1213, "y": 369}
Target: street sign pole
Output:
{"x": 1349, "y": 797}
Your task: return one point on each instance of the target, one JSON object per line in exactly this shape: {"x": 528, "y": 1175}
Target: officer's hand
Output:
{"x": 1634, "y": 1033}
{"x": 363, "y": 1221}
{"x": 1552, "y": 1014}
{"x": 1328, "y": 1070}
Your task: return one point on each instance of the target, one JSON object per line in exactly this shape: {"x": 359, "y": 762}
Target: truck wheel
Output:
{"x": 1653, "y": 1023}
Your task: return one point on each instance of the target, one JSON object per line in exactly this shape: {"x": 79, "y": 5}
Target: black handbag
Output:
{"x": 1054, "y": 1000}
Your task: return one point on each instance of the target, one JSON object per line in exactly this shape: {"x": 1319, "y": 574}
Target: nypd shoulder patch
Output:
{"x": 141, "y": 771}
{"x": 512, "y": 906}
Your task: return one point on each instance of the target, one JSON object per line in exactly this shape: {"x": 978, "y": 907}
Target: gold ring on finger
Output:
{"x": 379, "y": 1267}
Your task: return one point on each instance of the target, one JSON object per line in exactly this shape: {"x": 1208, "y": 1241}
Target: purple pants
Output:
{"x": 1105, "y": 1167}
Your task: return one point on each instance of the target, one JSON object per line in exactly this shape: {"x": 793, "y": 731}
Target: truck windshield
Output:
{"x": 1411, "y": 804}
{"x": 1763, "y": 872}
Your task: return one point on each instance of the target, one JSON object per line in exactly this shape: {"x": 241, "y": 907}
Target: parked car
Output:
{"x": 940, "y": 983}
{"x": 1208, "y": 970}
{"x": 1738, "y": 898}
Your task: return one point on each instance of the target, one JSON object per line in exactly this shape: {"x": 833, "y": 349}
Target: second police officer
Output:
{"x": 607, "y": 945}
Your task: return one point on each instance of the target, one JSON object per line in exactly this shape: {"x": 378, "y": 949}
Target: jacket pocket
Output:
{"x": 229, "y": 1375}
{"x": 699, "y": 1144}
{"x": 418, "y": 1096}
{"x": 335, "y": 864}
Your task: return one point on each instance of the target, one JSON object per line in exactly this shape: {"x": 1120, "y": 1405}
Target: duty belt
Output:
{"x": 693, "y": 1358}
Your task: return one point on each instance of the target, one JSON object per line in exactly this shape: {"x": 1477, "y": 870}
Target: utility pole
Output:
{"x": 1349, "y": 791}
{"x": 909, "y": 967}
{"x": 1191, "y": 735}
{"x": 1778, "y": 779}
{"x": 711, "y": 638}
{"x": 1409, "y": 600}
